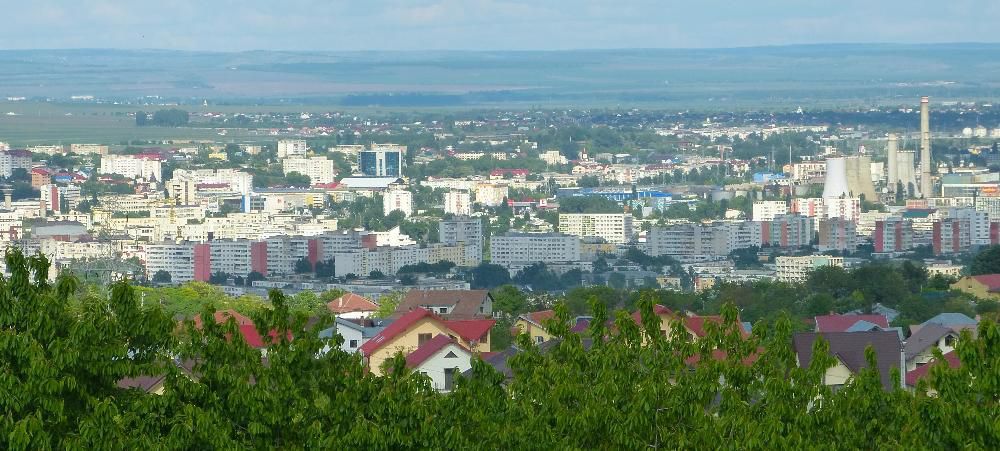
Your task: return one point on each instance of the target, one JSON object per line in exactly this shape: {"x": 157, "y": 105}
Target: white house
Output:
{"x": 441, "y": 359}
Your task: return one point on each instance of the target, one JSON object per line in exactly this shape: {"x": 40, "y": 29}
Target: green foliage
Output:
{"x": 163, "y": 118}
{"x": 303, "y": 266}
{"x": 297, "y": 180}
{"x": 441, "y": 267}
{"x": 621, "y": 387}
{"x": 986, "y": 261}
{"x": 387, "y": 303}
{"x": 588, "y": 204}
{"x": 161, "y": 276}
{"x": 488, "y": 275}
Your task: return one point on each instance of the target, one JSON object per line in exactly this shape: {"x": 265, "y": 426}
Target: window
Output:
{"x": 450, "y": 355}
{"x": 949, "y": 340}
{"x": 423, "y": 338}
{"x": 443, "y": 310}
{"x": 539, "y": 339}
{"x": 485, "y": 339}
{"x": 354, "y": 344}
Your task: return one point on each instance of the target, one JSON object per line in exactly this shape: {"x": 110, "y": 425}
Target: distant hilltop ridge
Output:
{"x": 812, "y": 74}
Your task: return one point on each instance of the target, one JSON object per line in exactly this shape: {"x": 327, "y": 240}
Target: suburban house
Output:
{"x": 851, "y": 323}
{"x": 920, "y": 346}
{"x": 156, "y": 385}
{"x": 418, "y": 326}
{"x": 914, "y": 376}
{"x": 695, "y": 325}
{"x": 986, "y": 286}
{"x": 441, "y": 359}
{"x": 354, "y": 332}
{"x": 888, "y": 312}
{"x": 533, "y": 325}
{"x": 246, "y": 328}
{"x": 848, "y": 348}
{"x": 352, "y": 306}
{"x": 953, "y": 321}
{"x": 448, "y": 304}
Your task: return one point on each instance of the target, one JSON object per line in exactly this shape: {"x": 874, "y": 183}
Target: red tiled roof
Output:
{"x": 912, "y": 377}
{"x": 351, "y": 302}
{"x": 245, "y": 325}
{"x": 840, "y": 323}
{"x": 41, "y": 171}
{"x": 540, "y": 316}
{"x": 397, "y": 327}
{"x": 428, "y": 349}
{"x": 657, "y": 309}
{"x": 470, "y": 329}
{"x": 992, "y": 281}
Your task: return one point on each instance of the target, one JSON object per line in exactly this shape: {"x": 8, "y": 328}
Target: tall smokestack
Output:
{"x": 892, "y": 160}
{"x": 925, "y": 147}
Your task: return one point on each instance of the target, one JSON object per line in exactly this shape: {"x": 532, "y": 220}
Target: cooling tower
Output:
{"x": 905, "y": 171}
{"x": 836, "y": 179}
{"x": 892, "y": 173}
{"x": 925, "y": 146}
{"x": 859, "y": 177}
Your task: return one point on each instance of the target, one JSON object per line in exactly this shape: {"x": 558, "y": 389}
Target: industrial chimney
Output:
{"x": 892, "y": 174}
{"x": 925, "y": 147}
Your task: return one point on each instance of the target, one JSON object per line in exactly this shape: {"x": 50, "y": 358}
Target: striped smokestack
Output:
{"x": 925, "y": 147}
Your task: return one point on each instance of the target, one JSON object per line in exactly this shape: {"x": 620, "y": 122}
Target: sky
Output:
{"x": 337, "y": 25}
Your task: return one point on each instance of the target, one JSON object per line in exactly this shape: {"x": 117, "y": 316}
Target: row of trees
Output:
{"x": 172, "y": 117}
{"x": 630, "y": 388}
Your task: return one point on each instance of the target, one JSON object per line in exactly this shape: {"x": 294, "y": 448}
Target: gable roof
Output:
{"x": 394, "y": 329}
{"x": 245, "y": 326}
{"x": 841, "y": 323}
{"x": 470, "y": 329}
{"x": 925, "y": 338}
{"x": 351, "y": 302}
{"x": 537, "y": 318}
{"x": 920, "y": 372}
{"x": 696, "y": 324}
{"x": 991, "y": 281}
{"x": 849, "y": 347}
{"x": 428, "y": 349}
{"x": 952, "y": 319}
{"x": 466, "y": 302}
{"x": 657, "y": 310}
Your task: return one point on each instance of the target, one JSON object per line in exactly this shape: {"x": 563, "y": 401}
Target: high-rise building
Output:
{"x": 382, "y": 161}
{"x": 612, "y": 227}
{"x": 893, "y": 234}
{"x": 458, "y": 203}
{"x": 142, "y": 166}
{"x": 318, "y": 169}
{"x": 838, "y": 234}
{"x": 797, "y": 269}
{"x": 290, "y": 148}
{"x": 467, "y": 231}
{"x": 766, "y": 210}
{"x": 397, "y": 199}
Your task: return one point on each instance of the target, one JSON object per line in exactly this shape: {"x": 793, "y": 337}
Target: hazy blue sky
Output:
{"x": 487, "y": 24}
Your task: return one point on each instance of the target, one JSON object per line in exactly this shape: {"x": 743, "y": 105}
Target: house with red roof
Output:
{"x": 696, "y": 325}
{"x": 246, "y": 328}
{"x": 352, "y": 306}
{"x": 851, "y": 323}
{"x": 985, "y": 286}
{"x": 441, "y": 359}
{"x": 416, "y": 327}
{"x": 914, "y": 376}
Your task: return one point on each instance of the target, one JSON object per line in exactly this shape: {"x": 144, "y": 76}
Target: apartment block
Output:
{"x": 458, "y": 203}
{"x": 612, "y": 227}
{"x": 397, "y": 199}
{"x": 766, "y": 210}
{"x": 797, "y": 269}
{"x": 319, "y": 169}
{"x": 289, "y": 148}
{"x": 467, "y": 232}
{"x": 147, "y": 167}
{"x": 515, "y": 247}
{"x": 787, "y": 231}
{"x": 893, "y": 235}
{"x": 838, "y": 234}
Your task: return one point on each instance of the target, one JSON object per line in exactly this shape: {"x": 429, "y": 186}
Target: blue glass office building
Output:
{"x": 381, "y": 163}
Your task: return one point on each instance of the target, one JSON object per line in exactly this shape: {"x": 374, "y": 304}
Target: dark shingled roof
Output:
{"x": 924, "y": 338}
{"x": 849, "y": 347}
{"x": 466, "y": 302}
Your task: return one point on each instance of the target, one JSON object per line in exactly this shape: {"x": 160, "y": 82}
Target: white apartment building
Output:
{"x": 231, "y": 257}
{"x": 56, "y": 198}
{"x": 766, "y": 210}
{"x": 89, "y": 149}
{"x": 824, "y": 208}
{"x": 978, "y": 223}
{"x": 232, "y": 180}
{"x": 174, "y": 258}
{"x": 68, "y": 251}
{"x": 514, "y": 247}
{"x": 552, "y": 158}
{"x": 132, "y": 166}
{"x": 797, "y": 269}
{"x": 463, "y": 230}
{"x": 288, "y": 148}
{"x": 613, "y": 227}
{"x": 284, "y": 251}
{"x": 318, "y": 169}
{"x": 14, "y": 159}
{"x": 397, "y": 199}
{"x": 491, "y": 194}
{"x": 182, "y": 191}
{"x": 458, "y": 203}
